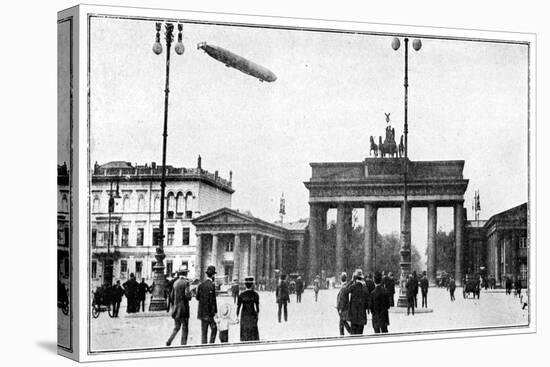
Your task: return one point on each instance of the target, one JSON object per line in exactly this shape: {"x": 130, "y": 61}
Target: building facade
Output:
{"x": 499, "y": 247}
{"x": 63, "y": 224}
{"x": 127, "y": 234}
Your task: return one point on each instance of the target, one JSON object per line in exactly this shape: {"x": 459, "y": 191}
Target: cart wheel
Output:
{"x": 95, "y": 311}
{"x": 111, "y": 311}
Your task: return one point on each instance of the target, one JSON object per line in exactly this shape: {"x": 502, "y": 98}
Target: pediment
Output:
{"x": 224, "y": 216}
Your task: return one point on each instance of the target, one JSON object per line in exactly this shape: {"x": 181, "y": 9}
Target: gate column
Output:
{"x": 432, "y": 232}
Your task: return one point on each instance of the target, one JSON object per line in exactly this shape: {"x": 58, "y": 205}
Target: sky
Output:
{"x": 467, "y": 101}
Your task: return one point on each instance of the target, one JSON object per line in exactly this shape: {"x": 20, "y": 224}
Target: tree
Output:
{"x": 445, "y": 251}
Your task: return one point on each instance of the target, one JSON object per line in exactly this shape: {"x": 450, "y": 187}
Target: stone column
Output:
{"x": 236, "y": 256}
{"x": 340, "y": 239}
{"x": 348, "y": 229}
{"x": 198, "y": 258}
{"x": 300, "y": 266}
{"x": 314, "y": 240}
{"x": 459, "y": 238}
{"x": 368, "y": 261}
{"x": 214, "y": 258}
{"x": 280, "y": 255}
{"x": 273, "y": 255}
{"x": 374, "y": 233}
{"x": 432, "y": 232}
{"x": 260, "y": 256}
{"x": 267, "y": 257}
{"x": 253, "y": 256}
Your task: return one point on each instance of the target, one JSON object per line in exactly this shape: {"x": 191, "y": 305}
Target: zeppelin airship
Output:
{"x": 238, "y": 62}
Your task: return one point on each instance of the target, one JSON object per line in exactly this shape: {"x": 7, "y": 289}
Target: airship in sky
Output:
{"x": 238, "y": 62}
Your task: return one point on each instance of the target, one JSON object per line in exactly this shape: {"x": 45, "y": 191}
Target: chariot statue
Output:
{"x": 389, "y": 146}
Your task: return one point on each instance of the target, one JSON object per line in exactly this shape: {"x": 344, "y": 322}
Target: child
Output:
{"x": 223, "y": 319}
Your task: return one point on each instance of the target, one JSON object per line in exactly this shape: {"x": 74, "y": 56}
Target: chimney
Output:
{"x": 199, "y": 162}
{"x": 153, "y": 165}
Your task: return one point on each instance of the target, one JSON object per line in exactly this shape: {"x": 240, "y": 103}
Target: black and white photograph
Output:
{"x": 259, "y": 183}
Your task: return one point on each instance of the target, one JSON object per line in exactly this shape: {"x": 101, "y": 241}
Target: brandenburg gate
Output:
{"x": 379, "y": 183}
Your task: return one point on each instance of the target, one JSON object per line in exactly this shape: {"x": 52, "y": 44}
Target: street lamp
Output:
{"x": 158, "y": 299}
{"x": 108, "y": 278}
{"x": 405, "y": 263}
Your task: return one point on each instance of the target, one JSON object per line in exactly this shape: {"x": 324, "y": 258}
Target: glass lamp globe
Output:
{"x": 417, "y": 44}
{"x": 395, "y": 44}
{"x": 180, "y": 49}
{"x": 157, "y": 48}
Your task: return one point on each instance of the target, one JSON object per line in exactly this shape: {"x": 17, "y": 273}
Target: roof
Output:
{"x": 116, "y": 164}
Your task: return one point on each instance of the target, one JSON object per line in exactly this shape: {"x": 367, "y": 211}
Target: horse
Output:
{"x": 388, "y": 147}
{"x": 401, "y": 147}
{"x": 373, "y": 147}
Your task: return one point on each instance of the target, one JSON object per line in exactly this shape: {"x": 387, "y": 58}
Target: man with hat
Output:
{"x": 283, "y": 297}
{"x": 380, "y": 304}
{"x": 299, "y": 289}
{"x": 180, "y": 295}
{"x": 208, "y": 308}
{"x": 249, "y": 303}
{"x": 359, "y": 296}
{"x": 342, "y": 305}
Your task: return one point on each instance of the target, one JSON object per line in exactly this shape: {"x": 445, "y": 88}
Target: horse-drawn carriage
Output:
{"x": 471, "y": 287}
{"x": 102, "y": 301}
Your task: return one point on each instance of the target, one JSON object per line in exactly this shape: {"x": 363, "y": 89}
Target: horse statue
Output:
{"x": 389, "y": 146}
{"x": 401, "y": 147}
{"x": 373, "y": 147}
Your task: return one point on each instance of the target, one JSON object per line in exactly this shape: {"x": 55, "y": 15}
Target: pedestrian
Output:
{"x": 208, "y": 308}
{"x": 143, "y": 288}
{"x": 316, "y": 286}
{"x": 235, "y": 290}
{"x": 299, "y": 289}
{"x": 248, "y": 305}
{"x": 379, "y": 304}
{"x": 168, "y": 290}
{"x": 508, "y": 284}
{"x": 415, "y": 277}
{"x": 223, "y": 320}
{"x": 452, "y": 287}
{"x": 131, "y": 291}
{"x": 342, "y": 305}
{"x": 424, "y": 285}
{"x": 410, "y": 289}
{"x": 180, "y": 295}
{"x": 358, "y": 303}
{"x": 117, "y": 294}
{"x": 389, "y": 284}
{"x": 518, "y": 287}
{"x": 370, "y": 287}
{"x": 283, "y": 297}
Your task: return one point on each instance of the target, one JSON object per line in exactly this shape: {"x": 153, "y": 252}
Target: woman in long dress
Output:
{"x": 249, "y": 302}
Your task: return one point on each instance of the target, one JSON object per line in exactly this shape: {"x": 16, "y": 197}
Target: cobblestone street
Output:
{"x": 312, "y": 320}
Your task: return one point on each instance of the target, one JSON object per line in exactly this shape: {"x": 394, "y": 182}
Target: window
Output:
{"x": 139, "y": 268}
{"x": 169, "y": 267}
{"x": 156, "y": 237}
{"x": 95, "y": 205}
{"x": 124, "y": 240}
{"x": 170, "y": 239}
{"x": 523, "y": 242}
{"x": 66, "y": 266}
{"x": 141, "y": 203}
{"x": 156, "y": 206}
{"x": 523, "y": 271}
{"x": 126, "y": 203}
{"x": 94, "y": 269}
{"x": 64, "y": 204}
{"x": 185, "y": 237}
{"x": 229, "y": 246}
{"x": 180, "y": 204}
{"x": 139, "y": 241}
{"x": 123, "y": 267}
{"x": 171, "y": 205}
{"x": 60, "y": 237}
{"x": 94, "y": 237}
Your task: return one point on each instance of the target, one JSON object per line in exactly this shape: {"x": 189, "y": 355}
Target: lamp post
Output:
{"x": 108, "y": 278}
{"x": 158, "y": 299}
{"x": 405, "y": 263}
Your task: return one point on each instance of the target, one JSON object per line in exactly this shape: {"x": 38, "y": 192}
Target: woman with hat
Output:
{"x": 249, "y": 301}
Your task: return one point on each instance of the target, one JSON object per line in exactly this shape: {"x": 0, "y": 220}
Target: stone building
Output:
{"x": 239, "y": 244}
{"x": 63, "y": 224}
{"x": 133, "y": 223}
{"x": 499, "y": 246}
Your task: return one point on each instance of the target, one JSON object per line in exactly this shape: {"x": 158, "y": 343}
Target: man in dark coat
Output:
{"x": 424, "y": 285}
{"x": 131, "y": 291}
{"x": 358, "y": 303}
{"x": 415, "y": 277}
{"x": 235, "y": 290}
{"x": 411, "y": 287}
{"x": 117, "y": 294}
{"x": 370, "y": 287}
{"x": 508, "y": 284}
{"x": 181, "y": 295}
{"x": 379, "y": 303}
{"x": 342, "y": 305}
{"x": 208, "y": 308}
{"x": 283, "y": 297}
{"x": 299, "y": 289}
{"x": 143, "y": 288}
{"x": 452, "y": 287}
{"x": 389, "y": 284}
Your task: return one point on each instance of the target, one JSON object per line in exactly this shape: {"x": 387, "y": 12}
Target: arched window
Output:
{"x": 156, "y": 204}
{"x": 180, "y": 203}
{"x": 189, "y": 204}
{"x": 141, "y": 203}
{"x": 126, "y": 203}
{"x": 171, "y": 202}
{"x": 64, "y": 204}
{"x": 95, "y": 205}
